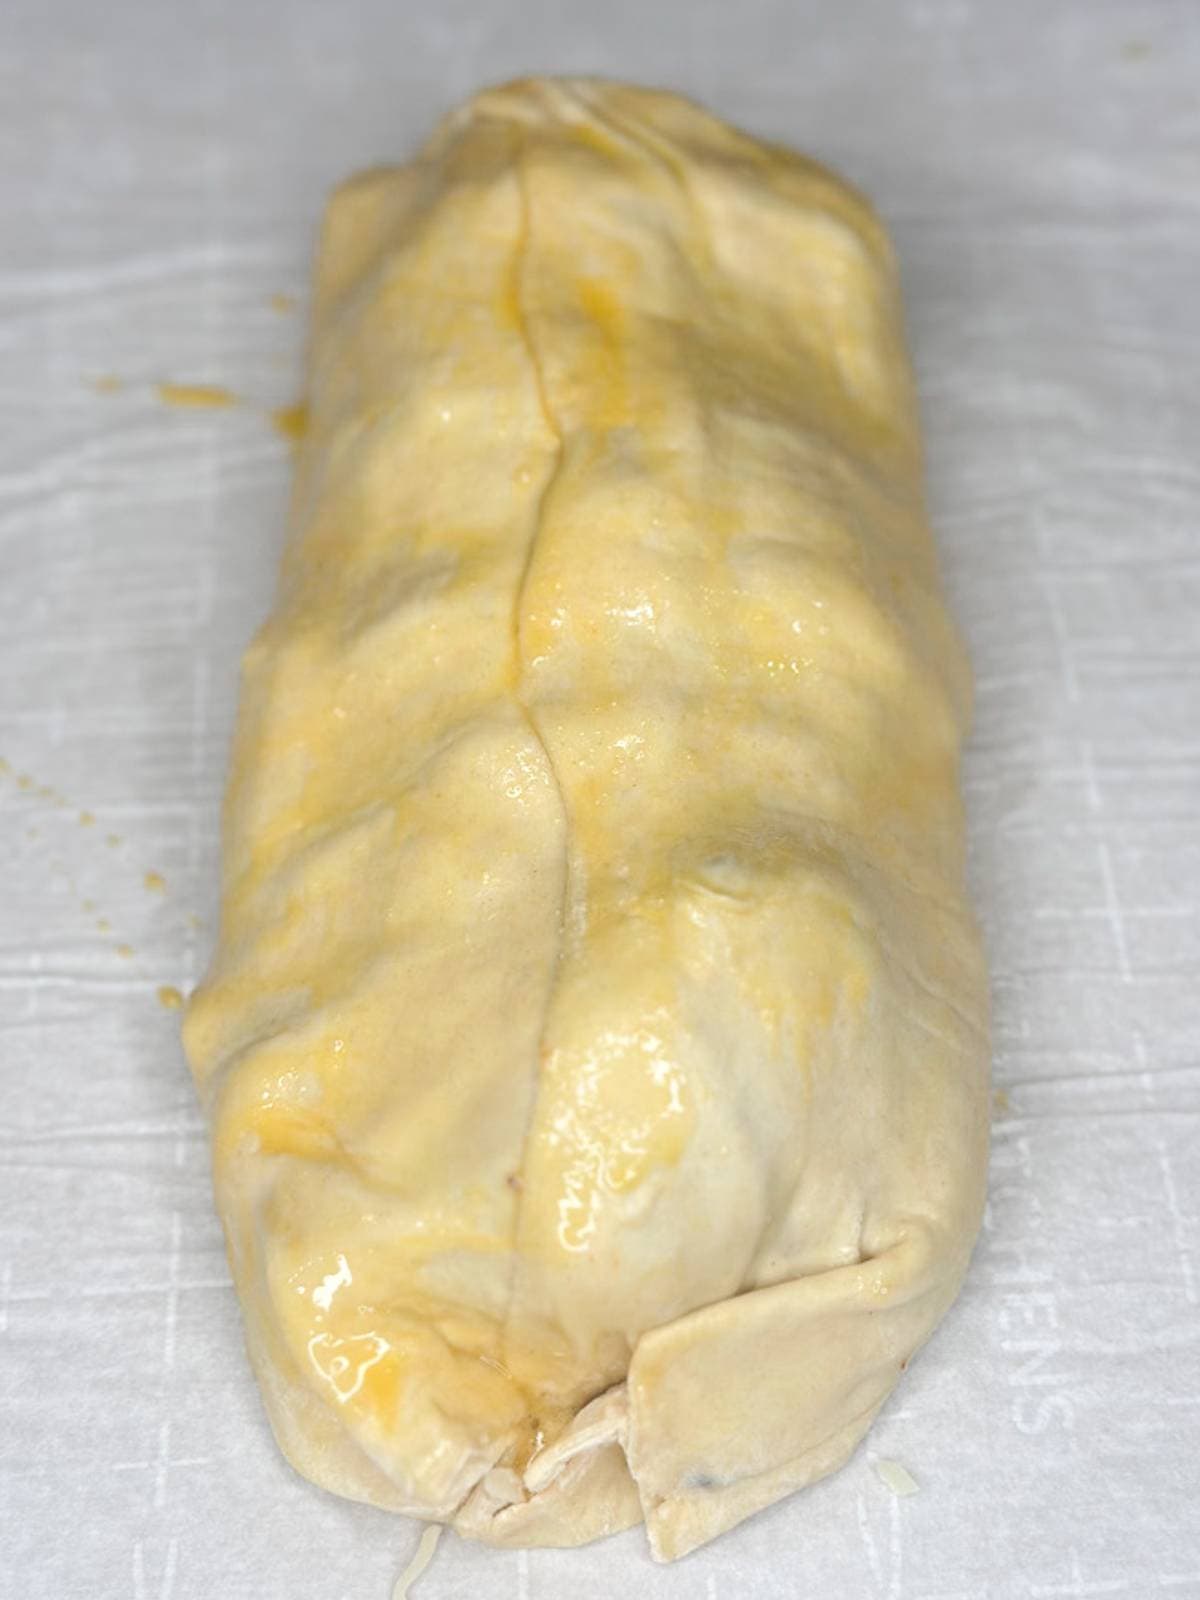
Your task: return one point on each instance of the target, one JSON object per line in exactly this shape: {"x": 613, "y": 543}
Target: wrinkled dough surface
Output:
{"x": 595, "y": 1041}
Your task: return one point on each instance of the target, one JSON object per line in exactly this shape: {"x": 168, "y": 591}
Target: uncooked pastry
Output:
{"x": 595, "y": 1043}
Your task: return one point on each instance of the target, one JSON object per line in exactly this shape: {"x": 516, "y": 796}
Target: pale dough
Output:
{"x": 596, "y": 1039}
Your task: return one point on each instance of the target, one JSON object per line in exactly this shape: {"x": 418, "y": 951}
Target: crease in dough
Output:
{"x": 546, "y": 490}
{"x": 595, "y": 1043}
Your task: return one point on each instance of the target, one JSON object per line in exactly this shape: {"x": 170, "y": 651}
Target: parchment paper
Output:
{"x": 162, "y": 168}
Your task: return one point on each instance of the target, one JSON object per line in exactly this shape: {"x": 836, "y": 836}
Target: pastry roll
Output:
{"x": 595, "y": 1043}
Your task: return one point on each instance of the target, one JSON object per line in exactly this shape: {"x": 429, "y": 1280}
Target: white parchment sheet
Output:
{"x": 162, "y": 167}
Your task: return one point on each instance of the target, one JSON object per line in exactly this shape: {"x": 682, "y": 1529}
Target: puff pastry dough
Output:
{"x": 595, "y": 1042}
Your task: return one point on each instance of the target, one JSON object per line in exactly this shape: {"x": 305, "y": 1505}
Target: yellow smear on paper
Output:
{"x": 86, "y": 819}
{"x": 155, "y": 882}
{"x": 107, "y": 384}
{"x": 195, "y": 396}
{"x": 103, "y": 924}
{"x": 112, "y": 840}
{"x": 169, "y": 997}
{"x": 125, "y": 951}
{"x": 291, "y": 422}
